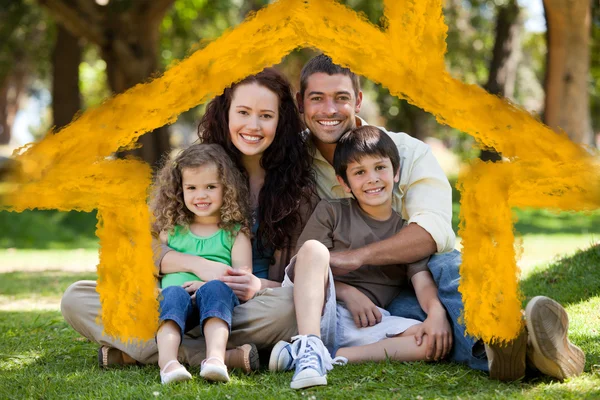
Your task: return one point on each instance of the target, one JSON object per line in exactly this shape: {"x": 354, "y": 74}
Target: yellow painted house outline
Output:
{"x": 70, "y": 169}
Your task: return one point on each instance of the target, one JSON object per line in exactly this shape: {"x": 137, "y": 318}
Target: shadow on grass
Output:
{"x": 48, "y": 229}
{"x": 568, "y": 280}
{"x": 39, "y": 283}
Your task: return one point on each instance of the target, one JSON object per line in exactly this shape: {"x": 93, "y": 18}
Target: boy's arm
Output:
{"x": 436, "y": 325}
{"x": 428, "y": 203}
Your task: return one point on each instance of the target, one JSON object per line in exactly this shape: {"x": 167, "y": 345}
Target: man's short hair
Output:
{"x": 363, "y": 141}
{"x": 324, "y": 64}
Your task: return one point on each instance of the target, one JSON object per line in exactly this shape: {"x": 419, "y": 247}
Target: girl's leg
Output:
{"x": 311, "y": 273}
{"x": 215, "y": 302}
{"x": 399, "y": 348}
{"x": 175, "y": 308}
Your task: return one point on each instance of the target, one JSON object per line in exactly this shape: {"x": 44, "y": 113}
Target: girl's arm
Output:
{"x": 174, "y": 261}
{"x": 241, "y": 253}
{"x": 240, "y": 279}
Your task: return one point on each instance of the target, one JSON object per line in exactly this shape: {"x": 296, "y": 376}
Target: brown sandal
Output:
{"x": 110, "y": 357}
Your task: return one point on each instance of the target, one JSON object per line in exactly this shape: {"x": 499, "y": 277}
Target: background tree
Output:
{"x": 505, "y": 60}
{"x": 567, "y": 104}
{"x": 127, "y": 33}
{"x": 25, "y": 37}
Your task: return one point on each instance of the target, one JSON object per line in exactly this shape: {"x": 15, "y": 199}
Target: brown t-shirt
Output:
{"x": 342, "y": 225}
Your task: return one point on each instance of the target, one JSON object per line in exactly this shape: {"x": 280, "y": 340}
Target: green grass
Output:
{"x": 48, "y": 229}
{"x": 41, "y": 357}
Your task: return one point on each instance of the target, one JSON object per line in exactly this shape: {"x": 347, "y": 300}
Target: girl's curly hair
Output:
{"x": 287, "y": 161}
{"x": 167, "y": 201}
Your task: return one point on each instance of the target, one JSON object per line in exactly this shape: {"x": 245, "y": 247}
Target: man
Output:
{"x": 329, "y": 100}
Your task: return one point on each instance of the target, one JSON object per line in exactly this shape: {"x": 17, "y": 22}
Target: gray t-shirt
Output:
{"x": 342, "y": 225}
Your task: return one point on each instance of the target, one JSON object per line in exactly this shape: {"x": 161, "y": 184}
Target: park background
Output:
{"x": 61, "y": 57}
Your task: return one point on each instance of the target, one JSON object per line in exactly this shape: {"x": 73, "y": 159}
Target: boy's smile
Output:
{"x": 371, "y": 180}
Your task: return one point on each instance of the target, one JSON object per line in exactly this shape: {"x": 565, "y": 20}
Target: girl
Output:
{"x": 201, "y": 207}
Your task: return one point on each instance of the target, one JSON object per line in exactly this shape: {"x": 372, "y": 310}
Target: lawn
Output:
{"x": 41, "y": 357}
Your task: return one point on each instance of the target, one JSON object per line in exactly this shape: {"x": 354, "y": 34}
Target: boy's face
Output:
{"x": 329, "y": 106}
{"x": 371, "y": 180}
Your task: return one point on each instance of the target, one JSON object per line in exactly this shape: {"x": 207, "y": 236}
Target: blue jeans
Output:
{"x": 213, "y": 299}
{"x": 445, "y": 271}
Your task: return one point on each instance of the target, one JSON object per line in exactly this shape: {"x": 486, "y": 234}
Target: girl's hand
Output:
{"x": 243, "y": 283}
{"x": 192, "y": 286}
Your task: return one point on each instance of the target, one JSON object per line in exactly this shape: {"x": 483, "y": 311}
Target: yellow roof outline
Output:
{"x": 69, "y": 170}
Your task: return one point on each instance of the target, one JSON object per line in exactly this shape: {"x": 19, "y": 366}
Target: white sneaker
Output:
{"x": 312, "y": 361}
{"x": 281, "y": 357}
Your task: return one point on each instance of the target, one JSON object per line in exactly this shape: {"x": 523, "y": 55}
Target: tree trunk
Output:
{"x": 11, "y": 88}
{"x": 567, "y": 104}
{"x": 135, "y": 64}
{"x": 128, "y": 35}
{"x": 505, "y": 60}
{"x": 66, "y": 58}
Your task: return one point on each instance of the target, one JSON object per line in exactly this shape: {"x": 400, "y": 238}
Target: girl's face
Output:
{"x": 203, "y": 192}
{"x": 253, "y": 117}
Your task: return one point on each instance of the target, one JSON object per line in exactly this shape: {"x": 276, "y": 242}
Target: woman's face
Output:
{"x": 253, "y": 117}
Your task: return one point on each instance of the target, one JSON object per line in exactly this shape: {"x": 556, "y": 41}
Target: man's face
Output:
{"x": 329, "y": 106}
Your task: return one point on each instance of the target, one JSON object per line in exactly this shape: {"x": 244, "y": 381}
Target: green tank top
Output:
{"x": 216, "y": 247}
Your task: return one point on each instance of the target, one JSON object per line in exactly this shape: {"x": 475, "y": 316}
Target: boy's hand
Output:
{"x": 438, "y": 329}
{"x": 364, "y": 312}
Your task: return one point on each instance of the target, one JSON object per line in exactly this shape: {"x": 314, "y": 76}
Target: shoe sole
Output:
{"x": 251, "y": 355}
{"x": 214, "y": 376}
{"x": 507, "y": 363}
{"x": 309, "y": 382}
{"x": 553, "y": 354}
{"x": 275, "y": 362}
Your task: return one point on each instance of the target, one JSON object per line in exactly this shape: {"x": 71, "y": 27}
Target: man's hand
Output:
{"x": 342, "y": 262}
{"x": 243, "y": 283}
{"x": 364, "y": 312}
{"x": 438, "y": 329}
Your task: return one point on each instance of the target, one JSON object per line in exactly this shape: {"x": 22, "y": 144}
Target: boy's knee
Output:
{"x": 314, "y": 249}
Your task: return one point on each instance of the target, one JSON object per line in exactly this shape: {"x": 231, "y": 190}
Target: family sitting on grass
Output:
{"x": 329, "y": 246}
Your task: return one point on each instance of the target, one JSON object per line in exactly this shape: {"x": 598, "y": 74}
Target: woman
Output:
{"x": 257, "y": 122}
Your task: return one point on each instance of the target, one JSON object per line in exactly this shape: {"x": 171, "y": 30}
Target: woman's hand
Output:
{"x": 243, "y": 283}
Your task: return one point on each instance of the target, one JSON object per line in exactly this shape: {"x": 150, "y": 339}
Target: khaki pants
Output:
{"x": 264, "y": 320}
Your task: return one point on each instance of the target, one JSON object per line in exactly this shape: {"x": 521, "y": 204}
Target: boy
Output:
{"x": 366, "y": 162}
